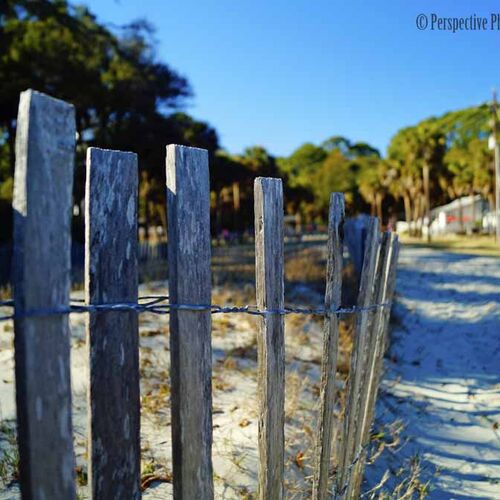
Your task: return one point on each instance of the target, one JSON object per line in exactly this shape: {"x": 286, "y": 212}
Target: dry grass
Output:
{"x": 233, "y": 272}
{"x": 476, "y": 244}
{"x": 400, "y": 482}
{"x": 305, "y": 274}
{"x": 409, "y": 485}
{"x": 9, "y": 455}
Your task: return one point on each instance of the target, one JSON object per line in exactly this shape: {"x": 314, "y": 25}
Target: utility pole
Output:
{"x": 497, "y": 168}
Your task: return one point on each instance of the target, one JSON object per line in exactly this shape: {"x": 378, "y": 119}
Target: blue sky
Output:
{"x": 281, "y": 73}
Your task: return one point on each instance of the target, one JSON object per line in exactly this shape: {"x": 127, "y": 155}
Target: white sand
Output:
{"x": 444, "y": 378}
{"x": 443, "y": 383}
{"x": 235, "y": 455}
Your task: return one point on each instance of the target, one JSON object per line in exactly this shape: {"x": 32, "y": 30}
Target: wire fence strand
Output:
{"x": 158, "y": 304}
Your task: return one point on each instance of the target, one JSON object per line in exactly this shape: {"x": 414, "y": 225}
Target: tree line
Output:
{"x": 128, "y": 99}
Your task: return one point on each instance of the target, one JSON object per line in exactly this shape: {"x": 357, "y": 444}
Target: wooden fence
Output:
{"x": 45, "y": 146}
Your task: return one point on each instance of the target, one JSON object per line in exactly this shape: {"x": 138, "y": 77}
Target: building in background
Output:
{"x": 463, "y": 215}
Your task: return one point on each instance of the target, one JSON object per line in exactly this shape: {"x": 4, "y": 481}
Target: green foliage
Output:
{"x": 258, "y": 161}
{"x": 127, "y": 99}
{"x": 62, "y": 50}
{"x": 453, "y": 147}
{"x": 336, "y": 174}
{"x": 313, "y": 172}
{"x": 302, "y": 164}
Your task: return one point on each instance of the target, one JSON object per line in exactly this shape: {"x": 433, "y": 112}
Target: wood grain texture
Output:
{"x": 382, "y": 329}
{"x": 324, "y": 432}
{"x": 373, "y": 364}
{"x": 112, "y": 337}
{"x": 43, "y": 183}
{"x": 354, "y": 239}
{"x": 391, "y": 287}
{"x": 347, "y": 450}
{"x": 188, "y": 203}
{"x": 269, "y": 269}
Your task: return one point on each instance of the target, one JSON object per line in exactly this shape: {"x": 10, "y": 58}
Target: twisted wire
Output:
{"x": 158, "y": 304}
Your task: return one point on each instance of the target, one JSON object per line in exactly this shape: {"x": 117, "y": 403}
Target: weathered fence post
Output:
{"x": 374, "y": 362}
{"x": 43, "y": 182}
{"x": 355, "y": 238}
{"x": 348, "y": 452}
{"x": 330, "y": 347}
{"x": 269, "y": 269}
{"x": 188, "y": 202}
{"x": 391, "y": 287}
{"x": 112, "y": 336}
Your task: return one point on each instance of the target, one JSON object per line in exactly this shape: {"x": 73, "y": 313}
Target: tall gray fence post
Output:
{"x": 348, "y": 453}
{"x": 269, "y": 269}
{"x": 373, "y": 351}
{"x": 330, "y": 348}
{"x": 112, "y": 336}
{"x": 43, "y": 184}
{"x": 391, "y": 288}
{"x": 188, "y": 203}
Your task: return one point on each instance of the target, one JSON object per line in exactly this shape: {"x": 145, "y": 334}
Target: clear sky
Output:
{"x": 281, "y": 73}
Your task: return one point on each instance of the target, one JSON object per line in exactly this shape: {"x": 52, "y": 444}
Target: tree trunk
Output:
{"x": 236, "y": 206}
{"x": 461, "y": 215}
{"x": 407, "y": 204}
{"x": 471, "y": 194}
{"x": 427, "y": 216}
{"x": 491, "y": 203}
{"x": 378, "y": 200}
{"x": 416, "y": 215}
{"x": 218, "y": 213}
{"x": 163, "y": 219}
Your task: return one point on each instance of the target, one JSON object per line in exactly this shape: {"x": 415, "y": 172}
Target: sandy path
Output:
{"x": 443, "y": 377}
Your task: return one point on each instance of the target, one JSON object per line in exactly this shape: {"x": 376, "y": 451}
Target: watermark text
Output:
{"x": 474, "y": 22}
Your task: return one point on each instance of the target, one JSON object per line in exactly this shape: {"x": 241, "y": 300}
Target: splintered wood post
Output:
{"x": 112, "y": 336}
{"x": 391, "y": 287}
{"x": 391, "y": 268}
{"x": 373, "y": 363}
{"x": 348, "y": 452}
{"x": 188, "y": 203}
{"x": 269, "y": 269}
{"x": 43, "y": 184}
{"x": 330, "y": 347}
